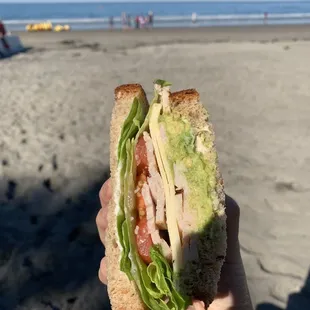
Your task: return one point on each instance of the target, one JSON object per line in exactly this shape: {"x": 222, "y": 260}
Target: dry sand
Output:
{"x": 55, "y": 104}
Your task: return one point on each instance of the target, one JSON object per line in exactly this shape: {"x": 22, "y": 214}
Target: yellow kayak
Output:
{"x": 47, "y": 26}
{"x": 59, "y": 28}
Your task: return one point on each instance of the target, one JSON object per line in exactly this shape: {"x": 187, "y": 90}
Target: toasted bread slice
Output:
{"x": 122, "y": 292}
{"x": 201, "y": 278}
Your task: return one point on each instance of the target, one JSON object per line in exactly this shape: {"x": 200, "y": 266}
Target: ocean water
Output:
{"x": 168, "y": 14}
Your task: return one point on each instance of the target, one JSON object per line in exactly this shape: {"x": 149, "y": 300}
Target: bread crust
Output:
{"x": 122, "y": 292}
{"x": 187, "y": 95}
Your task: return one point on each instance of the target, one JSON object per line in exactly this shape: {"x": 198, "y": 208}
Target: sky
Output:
{"x": 115, "y": 1}
{"x": 102, "y": 1}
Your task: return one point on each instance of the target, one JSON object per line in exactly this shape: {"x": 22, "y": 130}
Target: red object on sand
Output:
{"x": 2, "y": 35}
{"x": 2, "y": 29}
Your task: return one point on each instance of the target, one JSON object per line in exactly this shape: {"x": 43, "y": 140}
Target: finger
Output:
{"x": 102, "y": 224}
{"x": 232, "y": 228}
{"x": 102, "y": 273}
{"x": 105, "y": 193}
{"x": 102, "y": 218}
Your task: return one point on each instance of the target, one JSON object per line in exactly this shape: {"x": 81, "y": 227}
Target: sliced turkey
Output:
{"x": 151, "y": 222}
{"x": 155, "y": 183}
{"x": 186, "y": 217}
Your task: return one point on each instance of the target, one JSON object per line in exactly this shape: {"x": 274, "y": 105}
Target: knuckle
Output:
{"x": 101, "y": 192}
{"x": 99, "y": 218}
{"x": 105, "y": 193}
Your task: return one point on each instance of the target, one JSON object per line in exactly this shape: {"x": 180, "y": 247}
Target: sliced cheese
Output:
{"x": 168, "y": 181}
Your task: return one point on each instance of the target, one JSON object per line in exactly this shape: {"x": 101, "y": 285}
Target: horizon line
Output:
{"x": 145, "y": 1}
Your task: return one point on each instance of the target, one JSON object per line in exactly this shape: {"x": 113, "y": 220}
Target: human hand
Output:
{"x": 105, "y": 195}
{"x": 233, "y": 293}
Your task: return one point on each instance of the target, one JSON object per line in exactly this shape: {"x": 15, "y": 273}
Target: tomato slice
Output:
{"x": 144, "y": 241}
{"x": 140, "y": 205}
{"x": 143, "y": 238}
{"x": 141, "y": 156}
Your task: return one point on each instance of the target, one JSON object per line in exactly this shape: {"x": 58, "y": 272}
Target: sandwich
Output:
{"x": 166, "y": 237}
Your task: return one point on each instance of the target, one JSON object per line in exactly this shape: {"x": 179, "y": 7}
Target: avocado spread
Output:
{"x": 181, "y": 149}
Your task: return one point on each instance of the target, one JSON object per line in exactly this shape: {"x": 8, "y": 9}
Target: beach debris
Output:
{"x": 48, "y": 185}
{"x": 69, "y": 42}
{"x": 71, "y": 300}
{"x": 283, "y": 186}
{"x": 11, "y": 190}
{"x": 54, "y": 162}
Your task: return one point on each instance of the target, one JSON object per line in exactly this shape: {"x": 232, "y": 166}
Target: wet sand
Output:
{"x": 132, "y": 38}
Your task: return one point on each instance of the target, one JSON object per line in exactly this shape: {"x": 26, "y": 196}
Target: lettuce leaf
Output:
{"x": 161, "y": 274}
{"x": 129, "y": 130}
{"x": 162, "y": 83}
{"x": 130, "y": 127}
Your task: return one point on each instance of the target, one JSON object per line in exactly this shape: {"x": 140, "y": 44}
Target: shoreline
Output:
{"x": 189, "y": 20}
{"x": 132, "y": 38}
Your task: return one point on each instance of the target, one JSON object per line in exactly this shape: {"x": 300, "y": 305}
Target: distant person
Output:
{"x": 2, "y": 29}
{"x": 151, "y": 19}
{"x": 265, "y": 18}
{"x": 124, "y": 20}
{"x": 111, "y": 22}
{"x": 194, "y": 18}
{"x": 142, "y": 21}
{"x": 129, "y": 21}
{"x": 3, "y": 33}
{"x": 137, "y": 22}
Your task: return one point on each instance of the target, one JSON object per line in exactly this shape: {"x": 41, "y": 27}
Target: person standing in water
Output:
{"x": 111, "y": 22}
{"x": 194, "y": 18}
{"x": 265, "y": 18}
{"x": 124, "y": 20}
{"x": 129, "y": 21}
{"x": 150, "y": 19}
{"x": 137, "y": 22}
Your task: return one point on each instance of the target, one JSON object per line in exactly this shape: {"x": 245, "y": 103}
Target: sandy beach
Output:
{"x": 56, "y": 103}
